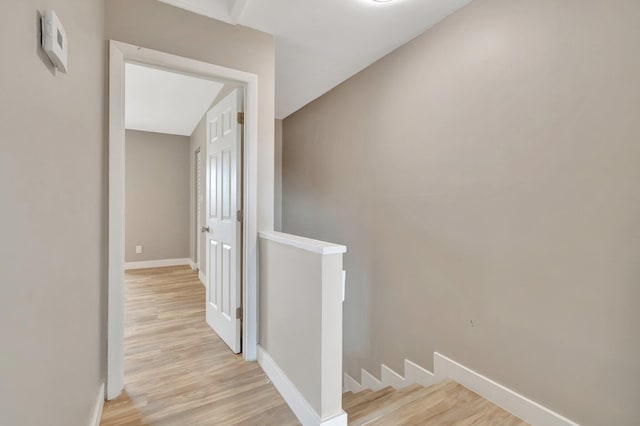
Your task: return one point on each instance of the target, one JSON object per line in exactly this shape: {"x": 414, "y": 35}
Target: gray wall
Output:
{"x": 485, "y": 179}
{"x": 157, "y": 196}
{"x": 278, "y": 177}
{"x": 52, "y": 217}
{"x": 294, "y": 345}
{"x": 155, "y": 25}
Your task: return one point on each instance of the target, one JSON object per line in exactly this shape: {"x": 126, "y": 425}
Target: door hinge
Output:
{"x": 238, "y": 313}
{"x": 239, "y": 215}
{"x": 241, "y": 118}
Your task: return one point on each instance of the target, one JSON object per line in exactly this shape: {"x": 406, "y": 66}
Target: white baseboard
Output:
{"x": 97, "y": 410}
{"x": 413, "y": 373}
{"x": 520, "y": 406}
{"x": 445, "y": 368}
{"x": 391, "y": 378}
{"x": 192, "y": 264}
{"x": 369, "y": 381}
{"x": 203, "y": 278}
{"x": 157, "y": 263}
{"x": 351, "y": 385}
{"x": 292, "y": 396}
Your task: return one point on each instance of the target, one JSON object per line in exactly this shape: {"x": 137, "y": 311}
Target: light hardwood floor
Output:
{"x": 177, "y": 370}
{"x": 445, "y": 403}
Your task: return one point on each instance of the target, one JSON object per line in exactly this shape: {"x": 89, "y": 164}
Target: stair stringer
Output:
{"x": 413, "y": 374}
{"x": 446, "y": 368}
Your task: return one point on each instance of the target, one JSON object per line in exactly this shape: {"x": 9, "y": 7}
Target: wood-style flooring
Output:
{"x": 177, "y": 370}
{"x": 445, "y": 403}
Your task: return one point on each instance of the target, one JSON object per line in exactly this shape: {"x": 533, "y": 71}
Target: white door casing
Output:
{"x": 119, "y": 53}
{"x": 223, "y": 229}
{"x": 198, "y": 206}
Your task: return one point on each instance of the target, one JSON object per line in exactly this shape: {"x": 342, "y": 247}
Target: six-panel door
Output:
{"x": 222, "y": 204}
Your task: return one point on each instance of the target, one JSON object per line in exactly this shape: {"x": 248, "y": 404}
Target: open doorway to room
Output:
{"x": 164, "y": 114}
{"x": 168, "y": 115}
{"x": 168, "y": 318}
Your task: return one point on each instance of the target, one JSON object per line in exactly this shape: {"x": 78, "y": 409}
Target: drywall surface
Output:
{"x": 157, "y": 196}
{"x": 52, "y": 217}
{"x": 300, "y": 284}
{"x": 278, "y": 177}
{"x": 485, "y": 178}
{"x": 294, "y": 345}
{"x": 162, "y": 27}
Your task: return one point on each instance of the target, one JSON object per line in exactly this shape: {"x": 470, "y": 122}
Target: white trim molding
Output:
{"x": 413, "y": 373}
{"x": 369, "y": 381}
{"x": 203, "y": 278}
{"x": 445, "y": 368}
{"x": 193, "y": 265}
{"x": 97, "y": 410}
{"x": 520, "y": 406}
{"x": 115, "y": 304}
{"x": 303, "y": 243}
{"x": 161, "y": 263}
{"x": 292, "y": 396}
{"x": 351, "y": 385}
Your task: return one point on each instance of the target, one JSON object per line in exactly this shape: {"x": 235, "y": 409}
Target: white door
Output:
{"x": 223, "y": 229}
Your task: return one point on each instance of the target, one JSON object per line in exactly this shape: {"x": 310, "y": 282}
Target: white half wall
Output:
{"x": 294, "y": 399}
{"x": 301, "y": 279}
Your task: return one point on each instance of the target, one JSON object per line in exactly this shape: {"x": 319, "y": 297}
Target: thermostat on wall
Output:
{"x": 54, "y": 40}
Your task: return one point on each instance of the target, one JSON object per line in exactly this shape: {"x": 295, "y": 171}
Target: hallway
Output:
{"x": 177, "y": 370}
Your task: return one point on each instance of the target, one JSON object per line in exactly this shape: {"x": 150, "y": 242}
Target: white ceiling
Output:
{"x": 321, "y": 43}
{"x": 166, "y": 102}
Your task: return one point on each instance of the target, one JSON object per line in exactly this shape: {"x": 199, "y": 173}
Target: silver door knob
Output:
{"x": 204, "y": 229}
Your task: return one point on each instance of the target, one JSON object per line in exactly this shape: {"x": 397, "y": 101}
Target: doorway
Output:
{"x": 120, "y": 54}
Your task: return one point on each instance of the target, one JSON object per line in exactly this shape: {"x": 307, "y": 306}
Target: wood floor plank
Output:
{"x": 177, "y": 370}
{"x": 448, "y": 403}
{"x": 382, "y": 400}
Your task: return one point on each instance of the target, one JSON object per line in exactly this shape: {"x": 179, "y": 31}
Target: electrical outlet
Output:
{"x": 138, "y": 249}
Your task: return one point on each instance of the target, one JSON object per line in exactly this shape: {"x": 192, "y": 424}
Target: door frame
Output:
{"x": 119, "y": 54}
{"x": 196, "y": 236}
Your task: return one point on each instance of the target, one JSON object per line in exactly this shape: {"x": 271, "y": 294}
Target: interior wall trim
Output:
{"x": 446, "y": 368}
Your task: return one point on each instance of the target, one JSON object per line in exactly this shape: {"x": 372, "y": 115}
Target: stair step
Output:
{"x": 418, "y": 410}
{"x": 363, "y": 398}
{"x": 350, "y": 398}
{"x": 378, "y": 400}
{"x": 401, "y": 398}
{"x": 447, "y": 403}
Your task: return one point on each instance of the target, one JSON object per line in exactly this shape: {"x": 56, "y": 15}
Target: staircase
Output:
{"x": 444, "y": 403}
